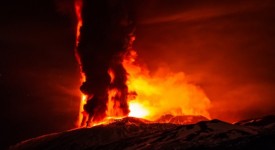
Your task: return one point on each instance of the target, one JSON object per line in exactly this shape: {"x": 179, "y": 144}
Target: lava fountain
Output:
{"x": 105, "y": 36}
{"x": 113, "y": 83}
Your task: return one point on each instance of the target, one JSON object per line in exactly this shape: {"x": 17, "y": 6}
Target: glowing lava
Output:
{"x": 151, "y": 95}
{"x": 137, "y": 110}
{"x": 82, "y": 117}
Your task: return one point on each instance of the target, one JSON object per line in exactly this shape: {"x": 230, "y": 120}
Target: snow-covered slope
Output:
{"x": 134, "y": 133}
{"x": 186, "y": 119}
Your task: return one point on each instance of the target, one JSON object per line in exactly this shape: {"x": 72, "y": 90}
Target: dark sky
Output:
{"x": 39, "y": 75}
{"x": 225, "y": 47}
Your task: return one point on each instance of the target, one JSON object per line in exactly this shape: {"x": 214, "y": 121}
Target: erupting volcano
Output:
{"x": 106, "y": 36}
{"x": 114, "y": 85}
{"x": 139, "y": 74}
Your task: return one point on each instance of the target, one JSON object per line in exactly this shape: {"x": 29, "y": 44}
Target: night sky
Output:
{"x": 39, "y": 74}
{"x": 227, "y": 48}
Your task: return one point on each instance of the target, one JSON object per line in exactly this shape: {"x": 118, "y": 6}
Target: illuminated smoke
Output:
{"x": 105, "y": 37}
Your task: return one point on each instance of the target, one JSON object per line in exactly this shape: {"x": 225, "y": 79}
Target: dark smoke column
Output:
{"x": 105, "y": 38}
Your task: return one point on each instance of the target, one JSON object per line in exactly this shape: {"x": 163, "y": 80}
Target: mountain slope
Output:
{"x": 134, "y": 133}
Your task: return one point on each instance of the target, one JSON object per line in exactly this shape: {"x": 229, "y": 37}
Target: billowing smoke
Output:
{"x": 106, "y": 36}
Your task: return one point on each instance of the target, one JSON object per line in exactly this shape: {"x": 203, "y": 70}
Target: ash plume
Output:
{"x": 105, "y": 38}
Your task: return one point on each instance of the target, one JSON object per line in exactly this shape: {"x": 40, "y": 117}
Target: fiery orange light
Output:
{"x": 78, "y": 7}
{"x": 138, "y": 110}
{"x": 82, "y": 117}
{"x": 155, "y": 94}
{"x": 163, "y": 92}
{"x": 112, "y": 75}
{"x": 113, "y": 106}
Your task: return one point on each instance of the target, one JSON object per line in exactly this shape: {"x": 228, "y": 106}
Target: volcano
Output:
{"x": 136, "y": 133}
{"x": 119, "y": 94}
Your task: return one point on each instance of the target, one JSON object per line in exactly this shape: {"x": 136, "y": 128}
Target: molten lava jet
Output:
{"x": 114, "y": 84}
{"x": 105, "y": 36}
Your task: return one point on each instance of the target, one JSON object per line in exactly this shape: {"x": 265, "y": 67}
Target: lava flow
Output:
{"x": 114, "y": 85}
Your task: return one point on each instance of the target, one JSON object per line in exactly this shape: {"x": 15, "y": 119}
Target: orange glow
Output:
{"x": 82, "y": 117}
{"x": 112, "y": 75}
{"x": 107, "y": 120}
{"x": 154, "y": 94}
{"x": 162, "y": 92}
{"x": 113, "y": 107}
{"x": 137, "y": 110}
{"x": 78, "y": 7}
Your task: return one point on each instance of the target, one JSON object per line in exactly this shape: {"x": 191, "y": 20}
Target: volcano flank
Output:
{"x": 135, "y": 133}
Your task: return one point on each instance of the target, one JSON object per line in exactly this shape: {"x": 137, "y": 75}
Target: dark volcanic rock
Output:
{"x": 258, "y": 122}
{"x": 135, "y": 133}
{"x": 184, "y": 119}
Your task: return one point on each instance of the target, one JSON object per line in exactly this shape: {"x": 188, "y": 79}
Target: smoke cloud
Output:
{"x": 105, "y": 37}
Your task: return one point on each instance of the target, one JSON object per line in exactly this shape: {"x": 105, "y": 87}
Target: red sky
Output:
{"x": 225, "y": 47}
